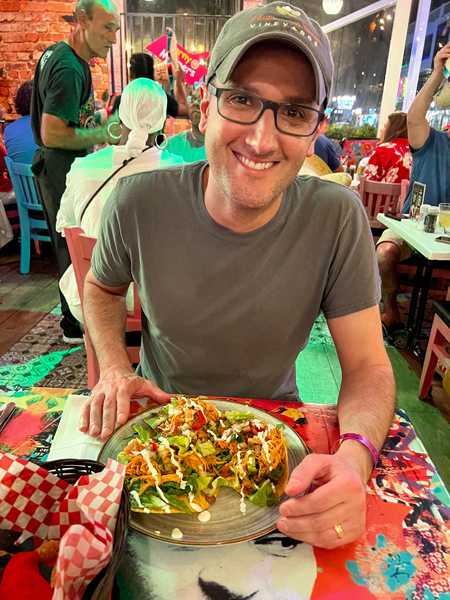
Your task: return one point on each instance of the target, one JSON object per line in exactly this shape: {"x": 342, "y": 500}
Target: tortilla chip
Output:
{"x": 282, "y": 482}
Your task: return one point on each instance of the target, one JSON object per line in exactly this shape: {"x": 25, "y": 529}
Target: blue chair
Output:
{"x": 31, "y": 227}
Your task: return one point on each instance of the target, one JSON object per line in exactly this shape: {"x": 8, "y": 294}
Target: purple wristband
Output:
{"x": 358, "y": 438}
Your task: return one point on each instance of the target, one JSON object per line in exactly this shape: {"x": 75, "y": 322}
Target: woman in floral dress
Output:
{"x": 391, "y": 160}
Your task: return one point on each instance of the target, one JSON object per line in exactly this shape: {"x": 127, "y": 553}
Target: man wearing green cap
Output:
{"x": 235, "y": 257}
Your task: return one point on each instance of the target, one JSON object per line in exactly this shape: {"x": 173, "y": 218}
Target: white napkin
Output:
{"x": 69, "y": 442}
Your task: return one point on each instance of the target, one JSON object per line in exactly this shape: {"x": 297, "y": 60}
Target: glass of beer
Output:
{"x": 444, "y": 217}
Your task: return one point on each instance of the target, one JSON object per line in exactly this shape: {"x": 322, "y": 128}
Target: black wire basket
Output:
{"x": 71, "y": 470}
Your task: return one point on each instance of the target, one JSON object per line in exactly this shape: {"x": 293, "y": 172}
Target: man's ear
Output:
{"x": 320, "y": 130}
{"x": 204, "y": 107}
{"x": 82, "y": 18}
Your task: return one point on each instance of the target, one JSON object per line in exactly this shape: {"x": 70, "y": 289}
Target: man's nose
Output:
{"x": 113, "y": 36}
{"x": 262, "y": 136}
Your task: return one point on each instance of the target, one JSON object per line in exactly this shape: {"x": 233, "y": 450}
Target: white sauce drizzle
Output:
{"x": 173, "y": 460}
{"x": 191, "y": 404}
{"x": 193, "y": 505}
{"x": 135, "y": 495}
{"x": 204, "y": 516}
{"x": 177, "y": 534}
{"x": 155, "y": 475}
{"x": 212, "y": 434}
{"x": 242, "y": 506}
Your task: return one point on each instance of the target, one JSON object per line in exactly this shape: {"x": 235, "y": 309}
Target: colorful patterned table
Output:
{"x": 404, "y": 554}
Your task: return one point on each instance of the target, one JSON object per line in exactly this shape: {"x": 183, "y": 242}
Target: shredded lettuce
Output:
{"x": 251, "y": 464}
{"x": 264, "y": 496}
{"x": 153, "y": 422}
{"x": 232, "y": 482}
{"x": 143, "y": 434}
{"x": 124, "y": 458}
{"x": 152, "y": 500}
{"x": 276, "y": 473}
{"x": 236, "y": 416}
{"x": 206, "y": 448}
{"x": 197, "y": 483}
{"x": 180, "y": 441}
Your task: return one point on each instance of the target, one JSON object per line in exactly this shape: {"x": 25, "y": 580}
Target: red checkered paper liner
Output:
{"x": 83, "y": 517}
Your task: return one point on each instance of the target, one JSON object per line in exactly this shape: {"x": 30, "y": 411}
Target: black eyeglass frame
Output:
{"x": 266, "y": 104}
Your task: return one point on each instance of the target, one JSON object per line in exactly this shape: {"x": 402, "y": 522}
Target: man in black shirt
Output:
{"x": 62, "y": 119}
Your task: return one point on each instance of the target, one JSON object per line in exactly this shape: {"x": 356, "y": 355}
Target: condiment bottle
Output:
{"x": 421, "y": 218}
{"x": 431, "y": 219}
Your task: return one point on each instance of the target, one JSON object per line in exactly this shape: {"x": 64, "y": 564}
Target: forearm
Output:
{"x": 419, "y": 108}
{"x": 75, "y": 138}
{"x": 180, "y": 96}
{"x": 105, "y": 314}
{"x": 365, "y": 406}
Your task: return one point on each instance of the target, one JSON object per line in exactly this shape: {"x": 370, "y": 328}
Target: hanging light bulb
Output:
{"x": 332, "y": 7}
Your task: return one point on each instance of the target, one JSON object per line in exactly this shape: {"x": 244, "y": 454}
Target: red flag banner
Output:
{"x": 189, "y": 62}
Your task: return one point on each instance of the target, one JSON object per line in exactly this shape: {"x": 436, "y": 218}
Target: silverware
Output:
{"x": 7, "y": 413}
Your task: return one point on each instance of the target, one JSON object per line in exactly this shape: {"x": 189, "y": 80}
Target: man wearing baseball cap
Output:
{"x": 235, "y": 257}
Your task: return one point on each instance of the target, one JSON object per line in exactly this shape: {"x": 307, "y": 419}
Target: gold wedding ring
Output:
{"x": 339, "y": 531}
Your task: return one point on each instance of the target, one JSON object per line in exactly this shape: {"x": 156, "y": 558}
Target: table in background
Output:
{"x": 404, "y": 553}
{"x": 431, "y": 255}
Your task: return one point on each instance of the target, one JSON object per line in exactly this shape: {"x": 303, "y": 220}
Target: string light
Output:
{"x": 332, "y": 7}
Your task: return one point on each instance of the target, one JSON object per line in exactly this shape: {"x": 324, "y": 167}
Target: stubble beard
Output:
{"x": 245, "y": 203}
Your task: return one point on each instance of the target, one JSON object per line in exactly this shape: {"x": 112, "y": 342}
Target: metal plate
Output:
{"x": 227, "y": 525}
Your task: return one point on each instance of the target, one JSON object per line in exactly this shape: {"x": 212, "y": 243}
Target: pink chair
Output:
{"x": 404, "y": 190}
{"x": 81, "y": 247}
{"x": 379, "y": 197}
{"x": 439, "y": 336}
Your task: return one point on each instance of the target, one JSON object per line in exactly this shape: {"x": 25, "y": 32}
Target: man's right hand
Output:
{"x": 440, "y": 58}
{"x": 109, "y": 401}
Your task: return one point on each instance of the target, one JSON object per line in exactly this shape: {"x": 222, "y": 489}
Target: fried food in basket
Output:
{"x": 22, "y": 578}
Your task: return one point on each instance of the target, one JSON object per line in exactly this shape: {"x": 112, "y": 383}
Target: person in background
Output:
{"x": 7, "y": 195}
{"x": 141, "y": 65}
{"x": 220, "y": 251}
{"x": 190, "y": 144}
{"x": 142, "y": 114}
{"x": 431, "y": 166}
{"x": 390, "y": 162}
{"x": 63, "y": 119}
{"x": 324, "y": 149}
{"x": 19, "y": 140}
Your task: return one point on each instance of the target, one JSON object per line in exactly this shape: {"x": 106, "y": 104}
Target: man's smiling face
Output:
{"x": 251, "y": 165}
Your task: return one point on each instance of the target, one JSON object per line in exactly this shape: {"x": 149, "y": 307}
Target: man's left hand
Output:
{"x": 334, "y": 514}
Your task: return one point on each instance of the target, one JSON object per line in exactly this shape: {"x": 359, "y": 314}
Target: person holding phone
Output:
{"x": 430, "y": 165}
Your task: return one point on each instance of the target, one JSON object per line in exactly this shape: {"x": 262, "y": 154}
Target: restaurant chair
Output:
{"x": 403, "y": 192}
{"x": 378, "y": 197}
{"x": 32, "y": 226}
{"x": 81, "y": 247}
{"x": 440, "y": 333}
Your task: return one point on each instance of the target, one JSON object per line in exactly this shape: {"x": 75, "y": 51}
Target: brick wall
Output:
{"x": 27, "y": 28}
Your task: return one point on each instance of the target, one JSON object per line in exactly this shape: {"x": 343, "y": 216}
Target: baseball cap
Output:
{"x": 275, "y": 21}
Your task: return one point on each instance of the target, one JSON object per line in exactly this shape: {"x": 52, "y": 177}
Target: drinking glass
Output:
{"x": 444, "y": 217}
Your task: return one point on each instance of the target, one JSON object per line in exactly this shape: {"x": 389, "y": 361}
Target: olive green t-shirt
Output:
{"x": 226, "y": 313}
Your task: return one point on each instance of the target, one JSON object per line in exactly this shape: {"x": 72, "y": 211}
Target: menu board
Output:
{"x": 417, "y": 198}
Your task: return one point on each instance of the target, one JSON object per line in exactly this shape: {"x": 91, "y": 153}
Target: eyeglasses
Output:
{"x": 245, "y": 108}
